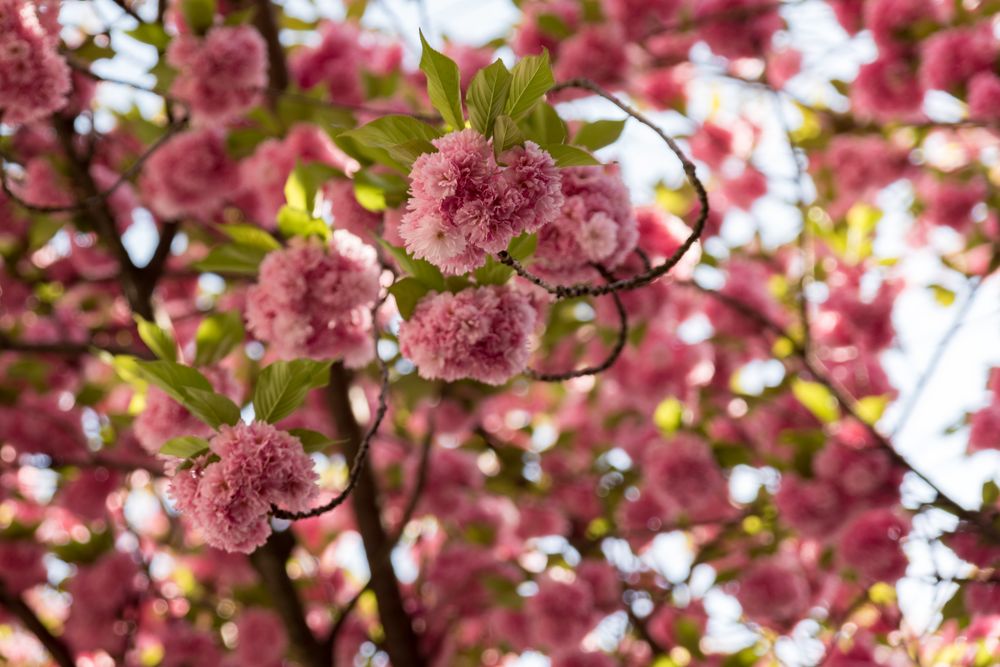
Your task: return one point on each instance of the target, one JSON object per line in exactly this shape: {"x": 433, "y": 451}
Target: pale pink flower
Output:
{"x": 479, "y": 333}
{"x": 184, "y": 646}
{"x": 782, "y": 66}
{"x": 984, "y": 96}
{"x": 815, "y": 508}
{"x": 597, "y": 224}
{"x": 737, "y": 28}
{"x": 774, "y": 592}
{"x": 21, "y": 565}
{"x": 950, "y": 202}
{"x": 562, "y": 613}
{"x": 191, "y": 175}
{"x": 463, "y": 204}
{"x": 891, "y": 21}
{"x": 643, "y": 18}
{"x": 872, "y": 545}
{"x": 314, "y": 300}
{"x": 230, "y": 499}
{"x": 597, "y": 52}
{"x": 712, "y": 144}
{"x": 949, "y": 58}
{"x": 887, "y": 89}
{"x": 743, "y": 190}
{"x": 221, "y": 75}
{"x": 261, "y": 640}
{"x": 336, "y": 61}
{"x": 984, "y": 431}
{"x": 34, "y": 78}
{"x": 683, "y": 473}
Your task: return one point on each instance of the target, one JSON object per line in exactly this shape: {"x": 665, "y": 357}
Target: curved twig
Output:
{"x": 585, "y": 289}
{"x": 616, "y": 351}
{"x": 366, "y": 440}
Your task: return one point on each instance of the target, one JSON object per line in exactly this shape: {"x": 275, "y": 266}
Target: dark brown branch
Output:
{"x": 401, "y": 641}
{"x": 270, "y": 562}
{"x": 264, "y": 20}
{"x": 67, "y": 348}
{"x": 582, "y": 289}
{"x": 612, "y": 357}
{"x": 128, "y": 10}
{"x": 55, "y": 646}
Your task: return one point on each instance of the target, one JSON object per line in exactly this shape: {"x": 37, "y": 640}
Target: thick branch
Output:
{"x": 270, "y": 561}
{"x": 56, "y": 647}
{"x": 265, "y": 21}
{"x": 401, "y": 641}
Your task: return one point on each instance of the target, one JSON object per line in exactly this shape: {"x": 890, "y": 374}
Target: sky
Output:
{"x": 956, "y": 386}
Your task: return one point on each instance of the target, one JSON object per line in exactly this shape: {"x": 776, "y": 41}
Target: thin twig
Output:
{"x": 612, "y": 357}
{"x": 584, "y": 289}
{"x": 55, "y": 646}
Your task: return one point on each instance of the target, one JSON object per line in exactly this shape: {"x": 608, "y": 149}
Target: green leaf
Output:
{"x": 443, "y": 84}
{"x": 241, "y": 17}
{"x": 570, "y": 156}
{"x": 599, "y": 134}
{"x": 173, "y": 378}
{"x": 506, "y": 133}
{"x": 407, "y": 293}
{"x": 487, "y": 96}
{"x": 198, "y": 14}
{"x": 305, "y": 181}
{"x": 990, "y": 493}
{"x": 184, "y": 447}
{"x": 870, "y": 408}
{"x": 250, "y": 235}
{"x": 523, "y": 246}
{"x": 543, "y": 125}
{"x": 668, "y": 416}
{"x": 377, "y": 192}
{"x": 232, "y": 258}
{"x": 421, "y": 269}
{"x": 817, "y": 399}
{"x": 212, "y": 408}
{"x": 283, "y": 386}
{"x": 150, "y": 33}
{"x": 217, "y": 336}
{"x": 402, "y": 137}
{"x": 554, "y": 26}
{"x": 943, "y": 295}
{"x": 531, "y": 79}
{"x": 294, "y": 221}
{"x": 312, "y": 441}
{"x": 156, "y": 339}
{"x": 493, "y": 273}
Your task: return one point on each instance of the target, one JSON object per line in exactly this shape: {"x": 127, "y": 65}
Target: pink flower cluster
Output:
{"x": 737, "y": 28}
{"x": 314, "y": 300}
{"x": 221, "y": 75}
{"x": 985, "y": 424}
{"x": 34, "y": 78}
{"x": 479, "y": 333}
{"x": 596, "y": 224}
{"x": 229, "y": 500}
{"x": 774, "y": 592}
{"x": 190, "y": 175}
{"x": 100, "y": 593}
{"x": 463, "y": 204}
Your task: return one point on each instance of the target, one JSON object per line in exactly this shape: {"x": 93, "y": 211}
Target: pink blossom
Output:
{"x": 642, "y": 18}
{"x": 984, "y": 431}
{"x": 579, "y": 658}
{"x": 34, "y": 78}
{"x": 871, "y": 545}
{"x": 984, "y": 96}
{"x": 21, "y": 565}
{"x": 164, "y": 418}
{"x": 849, "y": 14}
{"x": 87, "y": 494}
{"x": 220, "y": 76}
{"x": 562, "y": 612}
{"x": 463, "y": 203}
{"x": 683, "y": 473}
{"x": 815, "y": 508}
{"x": 184, "y": 646}
{"x": 229, "y": 500}
{"x": 863, "y": 164}
{"x": 887, "y": 89}
{"x": 950, "y": 202}
{"x": 596, "y": 52}
{"x": 664, "y": 87}
{"x": 479, "y": 333}
{"x": 951, "y": 57}
{"x": 312, "y": 300}
{"x": 597, "y": 225}
{"x": 774, "y": 592}
{"x": 737, "y": 28}
{"x": 335, "y": 61}
{"x": 711, "y": 144}
{"x": 470, "y": 59}
{"x": 743, "y": 190}
{"x": 531, "y": 39}
{"x": 983, "y": 599}
{"x": 191, "y": 175}
{"x": 890, "y": 21}
{"x": 100, "y": 593}
{"x": 261, "y": 640}
{"x": 782, "y": 66}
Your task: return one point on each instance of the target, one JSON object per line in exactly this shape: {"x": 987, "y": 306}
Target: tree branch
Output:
{"x": 270, "y": 562}
{"x": 54, "y": 645}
